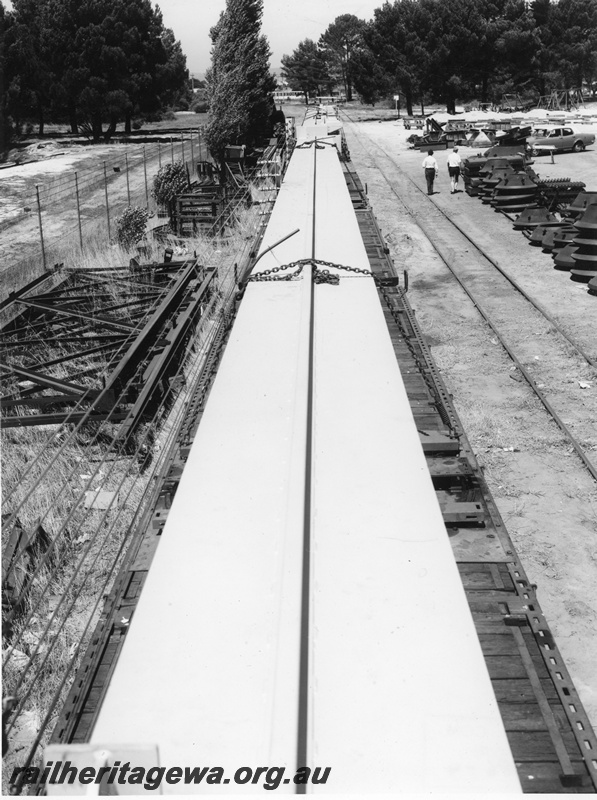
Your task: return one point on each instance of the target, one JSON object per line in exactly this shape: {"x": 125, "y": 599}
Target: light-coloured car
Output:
{"x": 559, "y": 139}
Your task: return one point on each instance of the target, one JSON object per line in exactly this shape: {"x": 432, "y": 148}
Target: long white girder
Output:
{"x": 305, "y": 584}
{"x": 210, "y": 666}
{"x": 399, "y": 688}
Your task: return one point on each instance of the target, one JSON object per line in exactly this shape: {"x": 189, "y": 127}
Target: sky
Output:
{"x": 285, "y": 24}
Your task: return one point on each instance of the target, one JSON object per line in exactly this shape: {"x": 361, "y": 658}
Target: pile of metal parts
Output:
{"x": 556, "y": 214}
{"x": 97, "y": 344}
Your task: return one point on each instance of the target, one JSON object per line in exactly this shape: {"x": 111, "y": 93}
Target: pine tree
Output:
{"x": 239, "y": 83}
{"x": 306, "y": 70}
{"x": 341, "y": 42}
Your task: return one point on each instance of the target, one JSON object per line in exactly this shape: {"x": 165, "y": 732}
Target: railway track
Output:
{"x": 526, "y": 330}
{"x": 547, "y": 729}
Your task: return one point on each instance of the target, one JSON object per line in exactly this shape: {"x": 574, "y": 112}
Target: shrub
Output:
{"x": 199, "y": 106}
{"x": 130, "y": 226}
{"x": 170, "y": 181}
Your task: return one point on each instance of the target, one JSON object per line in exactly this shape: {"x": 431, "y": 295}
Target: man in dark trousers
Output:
{"x": 431, "y": 170}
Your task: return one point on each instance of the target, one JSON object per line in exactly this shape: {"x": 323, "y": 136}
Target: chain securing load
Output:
{"x": 319, "y": 275}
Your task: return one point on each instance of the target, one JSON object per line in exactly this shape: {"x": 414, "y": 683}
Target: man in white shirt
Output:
{"x": 431, "y": 170}
{"x": 454, "y": 162}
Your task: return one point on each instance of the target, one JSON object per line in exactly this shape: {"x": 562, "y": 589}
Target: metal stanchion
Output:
{"x": 145, "y": 172}
{"x": 41, "y": 230}
{"x": 128, "y": 188}
{"x": 79, "y": 211}
{"x": 107, "y": 203}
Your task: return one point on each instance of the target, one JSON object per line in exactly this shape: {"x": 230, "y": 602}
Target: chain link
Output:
{"x": 319, "y": 275}
{"x": 270, "y": 274}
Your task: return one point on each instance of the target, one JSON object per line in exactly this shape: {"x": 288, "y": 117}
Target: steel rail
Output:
{"x": 542, "y": 310}
{"x": 528, "y": 377}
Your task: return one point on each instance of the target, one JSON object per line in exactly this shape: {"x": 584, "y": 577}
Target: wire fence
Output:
{"x": 65, "y": 216}
{"x": 86, "y": 547}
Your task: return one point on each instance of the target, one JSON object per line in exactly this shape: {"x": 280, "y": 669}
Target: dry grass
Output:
{"x": 47, "y": 472}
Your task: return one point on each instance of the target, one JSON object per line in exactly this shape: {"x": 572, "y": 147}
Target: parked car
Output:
{"x": 559, "y": 139}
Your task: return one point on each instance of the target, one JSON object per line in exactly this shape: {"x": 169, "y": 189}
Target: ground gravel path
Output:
{"x": 544, "y": 492}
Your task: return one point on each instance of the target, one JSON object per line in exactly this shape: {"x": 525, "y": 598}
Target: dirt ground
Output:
{"x": 546, "y": 496}
{"x": 50, "y": 164}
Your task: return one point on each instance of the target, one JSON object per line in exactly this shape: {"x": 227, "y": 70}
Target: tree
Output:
{"x": 5, "y": 77}
{"x": 306, "y": 70}
{"x": 370, "y": 80}
{"x": 396, "y": 38}
{"x": 97, "y": 60}
{"x": 573, "y": 25}
{"x": 239, "y": 84}
{"x": 341, "y": 41}
{"x": 173, "y": 76}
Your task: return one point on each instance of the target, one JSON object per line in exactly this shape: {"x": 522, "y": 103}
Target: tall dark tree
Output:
{"x": 306, "y": 70}
{"x": 5, "y": 122}
{"x": 92, "y": 60}
{"x": 573, "y": 25}
{"x": 33, "y": 80}
{"x": 369, "y": 78}
{"x": 240, "y": 86}
{"x": 341, "y": 41}
{"x": 396, "y": 38}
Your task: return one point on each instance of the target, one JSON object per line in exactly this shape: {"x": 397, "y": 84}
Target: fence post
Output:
{"x": 172, "y": 148}
{"x": 199, "y": 139}
{"x": 192, "y": 154}
{"x": 107, "y": 203}
{"x": 182, "y": 146}
{"x": 145, "y": 173}
{"x": 79, "y": 211}
{"x": 41, "y": 230}
{"x": 159, "y": 155}
{"x": 128, "y": 188}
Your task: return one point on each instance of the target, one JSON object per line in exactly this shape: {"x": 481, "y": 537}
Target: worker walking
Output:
{"x": 454, "y": 161}
{"x": 431, "y": 170}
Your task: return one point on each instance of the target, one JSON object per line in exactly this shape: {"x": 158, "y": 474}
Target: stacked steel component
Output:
{"x": 558, "y": 192}
{"x": 514, "y": 193}
{"x": 585, "y": 244}
{"x": 531, "y": 218}
{"x": 579, "y": 205}
{"x": 489, "y": 177}
{"x": 559, "y": 237}
{"x": 552, "y": 238}
{"x": 470, "y": 174}
{"x": 472, "y": 167}
{"x": 563, "y": 257}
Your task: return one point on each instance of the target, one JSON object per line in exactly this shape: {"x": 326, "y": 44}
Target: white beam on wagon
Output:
{"x": 401, "y": 700}
{"x": 209, "y": 670}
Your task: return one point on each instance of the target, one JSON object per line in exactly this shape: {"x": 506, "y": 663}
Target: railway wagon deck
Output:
{"x": 336, "y": 646}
